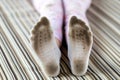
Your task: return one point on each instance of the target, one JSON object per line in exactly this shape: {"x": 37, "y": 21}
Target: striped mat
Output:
{"x": 18, "y": 61}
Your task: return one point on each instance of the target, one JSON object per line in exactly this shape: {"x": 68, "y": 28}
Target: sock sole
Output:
{"x": 43, "y": 42}
{"x": 79, "y": 46}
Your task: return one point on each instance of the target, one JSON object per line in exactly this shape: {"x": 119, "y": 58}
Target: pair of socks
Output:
{"x": 49, "y": 28}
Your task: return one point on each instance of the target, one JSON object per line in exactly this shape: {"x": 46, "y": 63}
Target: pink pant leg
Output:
{"x": 52, "y": 9}
{"x": 76, "y": 8}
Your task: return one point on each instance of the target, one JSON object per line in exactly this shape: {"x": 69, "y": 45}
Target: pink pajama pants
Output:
{"x": 53, "y": 10}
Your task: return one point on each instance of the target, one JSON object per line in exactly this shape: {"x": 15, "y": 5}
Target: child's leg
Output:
{"x": 52, "y": 10}
{"x": 47, "y": 34}
{"x": 78, "y": 34}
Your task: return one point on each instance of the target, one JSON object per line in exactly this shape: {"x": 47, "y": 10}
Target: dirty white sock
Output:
{"x": 78, "y": 34}
{"x": 52, "y": 9}
{"x": 44, "y": 44}
{"x": 80, "y": 41}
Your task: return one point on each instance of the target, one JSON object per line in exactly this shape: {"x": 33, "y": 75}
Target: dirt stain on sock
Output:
{"x": 52, "y": 68}
{"x": 79, "y": 30}
{"x": 79, "y": 67}
{"x": 41, "y": 33}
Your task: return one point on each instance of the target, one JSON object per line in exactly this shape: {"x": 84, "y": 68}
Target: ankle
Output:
{"x": 58, "y": 42}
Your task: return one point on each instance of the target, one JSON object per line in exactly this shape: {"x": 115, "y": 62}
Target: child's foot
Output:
{"x": 44, "y": 44}
{"x": 80, "y": 41}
